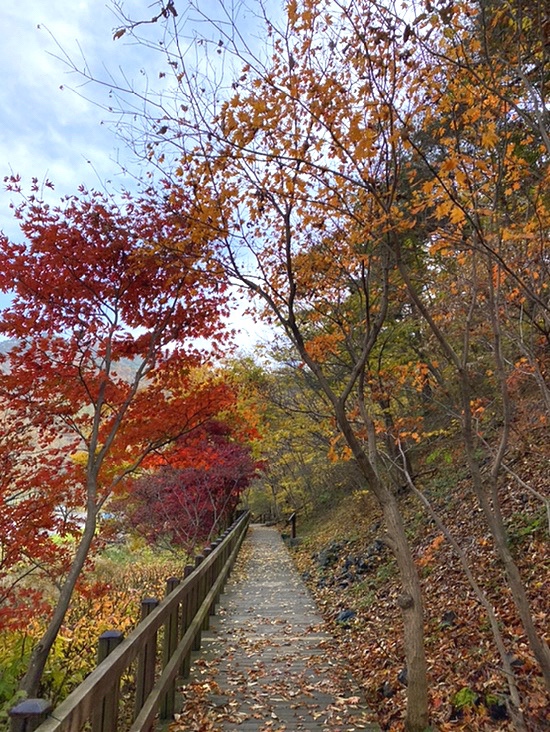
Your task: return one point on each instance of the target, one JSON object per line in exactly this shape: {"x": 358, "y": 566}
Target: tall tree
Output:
{"x": 479, "y": 175}
{"x": 310, "y": 211}
{"x": 373, "y": 165}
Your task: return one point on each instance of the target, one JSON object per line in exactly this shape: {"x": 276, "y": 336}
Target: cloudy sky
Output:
{"x": 49, "y": 126}
{"x": 52, "y": 125}
{"x": 47, "y": 130}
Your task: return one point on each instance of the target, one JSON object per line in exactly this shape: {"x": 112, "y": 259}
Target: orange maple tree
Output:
{"x": 370, "y": 170}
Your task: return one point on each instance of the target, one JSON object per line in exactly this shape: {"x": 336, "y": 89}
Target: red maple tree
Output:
{"x": 194, "y": 490}
{"x": 109, "y": 300}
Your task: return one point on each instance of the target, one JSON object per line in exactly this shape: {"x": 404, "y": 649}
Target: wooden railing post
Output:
{"x": 208, "y": 582}
{"x": 170, "y": 645}
{"x": 292, "y": 522}
{"x": 145, "y": 674}
{"x": 105, "y": 718}
{"x": 29, "y": 714}
{"x": 216, "y": 570}
{"x": 94, "y": 703}
{"x": 186, "y": 618}
{"x": 199, "y": 596}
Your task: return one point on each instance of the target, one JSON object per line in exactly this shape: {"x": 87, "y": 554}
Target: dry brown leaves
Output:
{"x": 463, "y": 662}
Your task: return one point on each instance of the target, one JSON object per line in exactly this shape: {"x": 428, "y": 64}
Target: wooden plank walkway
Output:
{"x": 266, "y": 663}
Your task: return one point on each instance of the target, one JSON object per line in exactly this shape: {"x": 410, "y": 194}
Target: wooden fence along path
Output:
{"x": 182, "y": 616}
{"x": 265, "y": 664}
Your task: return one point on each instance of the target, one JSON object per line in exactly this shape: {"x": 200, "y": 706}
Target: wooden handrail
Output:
{"x": 173, "y": 611}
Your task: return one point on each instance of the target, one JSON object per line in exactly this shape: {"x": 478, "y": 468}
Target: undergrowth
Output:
{"x": 109, "y": 598}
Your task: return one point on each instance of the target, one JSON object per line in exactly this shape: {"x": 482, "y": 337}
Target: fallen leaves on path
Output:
{"x": 262, "y": 667}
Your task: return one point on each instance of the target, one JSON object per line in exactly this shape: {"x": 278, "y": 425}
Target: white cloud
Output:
{"x": 45, "y": 128}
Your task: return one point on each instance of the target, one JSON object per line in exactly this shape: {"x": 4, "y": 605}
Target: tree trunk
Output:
{"x": 538, "y": 645}
{"x": 30, "y": 682}
{"x": 410, "y": 600}
{"x": 498, "y": 532}
{"x": 410, "y": 603}
{"x": 494, "y": 521}
{"x": 515, "y": 700}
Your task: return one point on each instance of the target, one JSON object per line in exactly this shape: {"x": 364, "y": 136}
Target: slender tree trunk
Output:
{"x": 496, "y": 527}
{"x": 489, "y": 498}
{"x": 493, "y": 516}
{"x": 540, "y": 648}
{"x": 410, "y": 599}
{"x": 30, "y": 683}
{"x": 411, "y": 606}
{"x": 515, "y": 700}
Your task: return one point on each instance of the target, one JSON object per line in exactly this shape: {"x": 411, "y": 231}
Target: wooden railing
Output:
{"x": 183, "y": 614}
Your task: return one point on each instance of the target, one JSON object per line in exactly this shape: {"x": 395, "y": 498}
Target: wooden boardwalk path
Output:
{"x": 266, "y": 662}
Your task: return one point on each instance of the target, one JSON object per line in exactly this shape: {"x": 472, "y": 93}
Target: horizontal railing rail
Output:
{"x": 183, "y": 614}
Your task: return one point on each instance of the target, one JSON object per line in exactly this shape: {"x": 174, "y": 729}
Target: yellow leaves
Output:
{"x": 428, "y": 187}
{"x": 461, "y": 178}
{"x": 339, "y": 452}
{"x": 489, "y": 136}
{"x": 361, "y": 137}
{"x": 448, "y": 165}
{"x": 80, "y": 457}
{"x": 511, "y": 189}
{"x": 292, "y": 11}
{"x": 364, "y": 148}
{"x": 477, "y": 407}
{"x": 456, "y": 215}
{"x": 472, "y": 114}
{"x": 322, "y": 345}
{"x": 444, "y": 208}
{"x": 307, "y": 17}
{"x": 259, "y": 106}
{"x": 508, "y": 234}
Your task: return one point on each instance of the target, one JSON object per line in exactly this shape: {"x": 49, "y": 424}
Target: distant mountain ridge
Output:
{"x": 125, "y": 368}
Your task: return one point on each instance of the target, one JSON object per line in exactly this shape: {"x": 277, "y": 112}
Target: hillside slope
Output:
{"x": 353, "y": 577}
